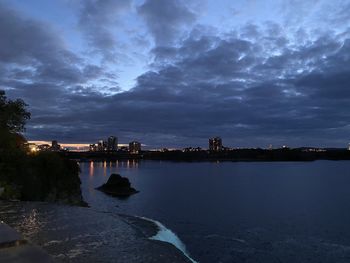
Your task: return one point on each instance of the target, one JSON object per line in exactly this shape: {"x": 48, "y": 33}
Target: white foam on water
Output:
{"x": 166, "y": 235}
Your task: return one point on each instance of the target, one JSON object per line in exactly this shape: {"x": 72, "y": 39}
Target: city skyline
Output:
{"x": 213, "y": 144}
{"x": 177, "y": 72}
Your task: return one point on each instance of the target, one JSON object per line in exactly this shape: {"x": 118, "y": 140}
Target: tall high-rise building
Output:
{"x": 112, "y": 143}
{"x": 215, "y": 144}
{"x": 134, "y": 147}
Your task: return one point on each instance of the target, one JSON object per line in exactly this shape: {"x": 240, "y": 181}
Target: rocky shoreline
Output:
{"x": 80, "y": 234}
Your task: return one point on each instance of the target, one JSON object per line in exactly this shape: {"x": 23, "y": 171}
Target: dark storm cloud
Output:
{"x": 165, "y": 19}
{"x": 34, "y": 61}
{"x": 97, "y": 18}
{"x": 35, "y": 65}
{"x": 33, "y": 49}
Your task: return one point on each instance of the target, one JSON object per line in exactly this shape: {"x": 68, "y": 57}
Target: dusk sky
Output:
{"x": 173, "y": 73}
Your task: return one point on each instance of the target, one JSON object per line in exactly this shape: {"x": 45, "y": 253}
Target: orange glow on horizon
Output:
{"x": 70, "y": 145}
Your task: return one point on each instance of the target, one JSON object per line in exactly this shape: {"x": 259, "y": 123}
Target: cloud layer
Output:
{"x": 253, "y": 85}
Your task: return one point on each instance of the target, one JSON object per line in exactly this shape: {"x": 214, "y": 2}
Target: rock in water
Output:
{"x": 117, "y": 186}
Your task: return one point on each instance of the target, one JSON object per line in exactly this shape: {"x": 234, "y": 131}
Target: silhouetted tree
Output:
{"x": 44, "y": 176}
{"x": 13, "y": 117}
{"x": 13, "y": 114}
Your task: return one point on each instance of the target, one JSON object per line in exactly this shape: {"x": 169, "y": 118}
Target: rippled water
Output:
{"x": 238, "y": 212}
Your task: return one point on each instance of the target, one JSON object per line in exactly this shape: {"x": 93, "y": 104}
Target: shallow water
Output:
{"x": 78, "y": 235}
{"x": 238, "y": 212}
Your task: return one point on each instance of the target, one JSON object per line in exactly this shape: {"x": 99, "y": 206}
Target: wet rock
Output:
{"x": 117, "y": 186}
{"x": 24, "y": 254}
{"x": 8, "y": 235}
{"x": 14, "y": 249}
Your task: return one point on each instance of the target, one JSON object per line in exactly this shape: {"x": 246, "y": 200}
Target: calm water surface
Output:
{"x": 238, "y": 212}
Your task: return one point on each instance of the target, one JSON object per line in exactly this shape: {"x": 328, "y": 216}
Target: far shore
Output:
{"x": 237, "y": 155}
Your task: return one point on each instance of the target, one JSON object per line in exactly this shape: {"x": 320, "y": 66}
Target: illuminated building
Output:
{"x": 93, "y": 147}
{"x": 134, "y": 147}
{"x": 102, "y": 146}
{"x": 349, "y": 147}
{"x": 55, "y": 146}
{"x": 44, "y": 147}
{"x": 192, "y": 149}
{"x": 124, "y": 149}
{"x": 112, "y": 143}
{"x": 215, "y": 144}
{"x": 33, "y": 147}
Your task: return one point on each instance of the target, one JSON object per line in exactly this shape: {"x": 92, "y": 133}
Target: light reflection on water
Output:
{"x": 32, "y": 222}
{"x": 104, "y": 168}
{"x": 110, "y": 167}
{"x": 91, "y": 170}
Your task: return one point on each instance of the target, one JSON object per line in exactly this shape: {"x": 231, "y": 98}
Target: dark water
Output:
{"x": 239, "y": 212}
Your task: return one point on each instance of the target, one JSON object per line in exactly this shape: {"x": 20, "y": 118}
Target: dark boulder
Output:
{"x": 117, "y": 186}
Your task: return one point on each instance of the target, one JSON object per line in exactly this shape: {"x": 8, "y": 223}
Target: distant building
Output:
{"x": 112, "y": 144}
{"x": 215, "y": 144}
{"x": 349, "y": 147}
{"x": 44, "y": 147}
{"x": 93, "y": 147}
{"x": 102, "y": 146}
{"x": 134, "y": 147}
{"x": 311, "y": 149}
{"x": 124, "y": 149}
{"x": 192, "y": 149}
{"x": 55, "y": 146}
{"x": 32, "y": 147}
{"x": 227, "y": 148}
